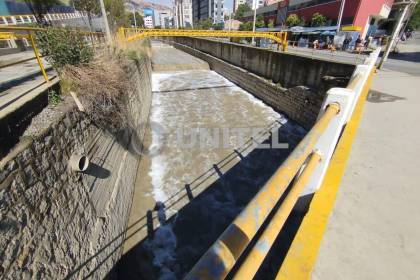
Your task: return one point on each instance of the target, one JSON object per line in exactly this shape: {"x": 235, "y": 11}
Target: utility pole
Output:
{"x": 394, "y": 35}
{"x": 105, "y": 22}
{"x": 230, "y": 21}
{"x": 254, "y": 3}
{"x": 340, "y": 15}
{"x": 134, "y": 15}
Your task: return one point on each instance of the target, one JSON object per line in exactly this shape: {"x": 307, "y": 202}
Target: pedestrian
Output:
{"x": 345, "y": 44}
{"x": 358, "y": 43}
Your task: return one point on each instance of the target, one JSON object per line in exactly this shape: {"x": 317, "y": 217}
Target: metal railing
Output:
{"x": 29, "y": 18}
{"x": 132, "y": 34}
{"x": 305, "y": 167}
{"x": 217, "y": 262}
{"x": 27, "y": 34}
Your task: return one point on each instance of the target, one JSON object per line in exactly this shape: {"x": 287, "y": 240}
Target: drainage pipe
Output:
{"x": 221, "y": 257}
{"x": 78, "y": 163}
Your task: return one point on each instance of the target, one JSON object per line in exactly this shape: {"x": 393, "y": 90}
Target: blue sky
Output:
{"x": 228, "y": 3}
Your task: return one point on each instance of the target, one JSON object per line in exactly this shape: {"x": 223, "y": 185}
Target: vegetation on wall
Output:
{"x": 294, "y": 20}
{"x": 62, "y": 46}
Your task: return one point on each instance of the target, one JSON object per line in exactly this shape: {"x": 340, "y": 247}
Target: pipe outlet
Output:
{"x": 78, "y": 163}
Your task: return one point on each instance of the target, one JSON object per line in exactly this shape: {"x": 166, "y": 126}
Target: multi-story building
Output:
{"x": 275, "y": 13}
{"x": 213, "y": 9}
{"x": 236, "y": 4}
{"x": 358, "y": 15}
{"x": 183, "y": 12}
{"x": 165, "y": 19}
{"x": 255, "y": 4}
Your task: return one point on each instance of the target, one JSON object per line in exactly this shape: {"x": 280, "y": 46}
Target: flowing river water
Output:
{"x": 201, "y": 167}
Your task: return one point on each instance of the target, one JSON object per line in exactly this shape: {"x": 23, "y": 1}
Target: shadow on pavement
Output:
{"x": 380, "y": 97}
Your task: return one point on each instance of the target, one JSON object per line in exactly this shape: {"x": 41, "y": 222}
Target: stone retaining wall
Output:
{"x": 55, "y": 223}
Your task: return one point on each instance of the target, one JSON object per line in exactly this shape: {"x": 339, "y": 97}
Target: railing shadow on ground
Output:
{"x": 172, "y": 249}
{"x": 204, "y": 217}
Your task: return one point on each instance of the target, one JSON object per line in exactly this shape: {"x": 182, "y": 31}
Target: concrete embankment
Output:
{"x": 57, "y": 223}
{"x": 292, "y": 84}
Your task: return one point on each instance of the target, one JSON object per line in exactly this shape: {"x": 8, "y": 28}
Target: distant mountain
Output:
{"x": 142, "y": 4}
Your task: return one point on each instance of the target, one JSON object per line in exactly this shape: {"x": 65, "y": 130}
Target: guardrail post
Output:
{"x": 328, "y": 140}
{"x": 38, "y": 58}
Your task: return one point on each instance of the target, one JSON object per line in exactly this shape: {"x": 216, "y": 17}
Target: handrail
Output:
{"x": 221, "y": 257}
{"x": 256, "y": 256}
{"x": 132, "y": 34}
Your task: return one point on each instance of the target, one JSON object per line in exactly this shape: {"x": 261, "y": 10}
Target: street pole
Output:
{"x": 394, "y": 35}
{"x": 255, "y": 18}
{"x": 135, "y": 21}
{"x": 230, "y": 20}
{"x": 105, "y": 22}
{"x": 340, "y": 15}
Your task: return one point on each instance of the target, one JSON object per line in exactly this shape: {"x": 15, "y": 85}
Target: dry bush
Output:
{"x": 102, "y": 88}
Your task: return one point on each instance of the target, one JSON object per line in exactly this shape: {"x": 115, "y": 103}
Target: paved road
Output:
{"x": 374, "y": 230}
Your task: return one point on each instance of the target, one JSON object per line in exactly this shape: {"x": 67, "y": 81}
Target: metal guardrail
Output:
{"x": 132, "y": 34}
{"x": 27, "y": 33}
{"x": 217, "y": 262}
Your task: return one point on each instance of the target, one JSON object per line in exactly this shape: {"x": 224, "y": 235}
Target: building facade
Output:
{"x": 358, "y": 15}
{"x": 236, "y": 3}
{"x": 255, "y": 4}
{"x": 275, "y": 13}
{"x": 183, "y": 13}
{"x": 203, "y": 9}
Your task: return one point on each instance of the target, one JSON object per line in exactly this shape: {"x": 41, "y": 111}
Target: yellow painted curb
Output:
{"x": 301, "y": 257}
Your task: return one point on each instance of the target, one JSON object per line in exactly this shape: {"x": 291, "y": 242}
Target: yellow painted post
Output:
{"x": 38, "y": 58}
{"x": 285, "y": 44}
{"x": 219, "y": 259}
{"x": 258, "y": 253}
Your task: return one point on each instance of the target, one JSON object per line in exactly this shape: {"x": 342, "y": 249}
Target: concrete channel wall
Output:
{"x": 291, "y": 84}
{"x": 56, "y": 223}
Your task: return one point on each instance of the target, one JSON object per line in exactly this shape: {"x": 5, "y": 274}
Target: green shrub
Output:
{"x": 62, "y": 46}
{"x": 53, "y": 97}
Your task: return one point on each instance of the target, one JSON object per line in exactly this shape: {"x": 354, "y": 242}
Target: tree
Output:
{"x": 270, "y": 23}
{"x": 414, "y": 22}
{"x": 91, "y": 7}
{"x": 41, "y": 7}
{"x": 246, "y": 26}
{"x": 242, "y": 9}
{"x": 205, "y": 23}
{"x": 218, "y": 26}
{"x": 259, "y": 23}
{"x": 139, "y": 19}
{"x": 318, "y": 20}
{"x": 116, "y": 14}
{"x": 293, "y": 20}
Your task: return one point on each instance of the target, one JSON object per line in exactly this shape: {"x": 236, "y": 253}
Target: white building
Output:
{"x": 148, "y": 22}
{"x": 165, "y": 19}
{"x": 183, "y": 13}
{"x": 255, "y": 4}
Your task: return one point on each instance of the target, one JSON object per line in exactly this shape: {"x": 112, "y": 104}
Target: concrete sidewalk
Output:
{"x": 374, "y": 229}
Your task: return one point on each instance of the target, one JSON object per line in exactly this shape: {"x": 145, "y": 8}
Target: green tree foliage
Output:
{"x": 40, "y": 7}
{"x": 414, "y": 22}
{"x": 270, "y": 23}
{"x": 206, "y": 24}
{"x": 318, "y": 20}
{"x": 242, "y": 9}
{"x": 259, "y": 23}
{"x": 246, "y": 26}
{"x": 293, "y": 20}
{"x": 91, "y": 7}
{"x": 116, "y": 14}
{"x": 218, "y": 26}
{"x": 139, "y": 19}
{"x": 63, "y": 46}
